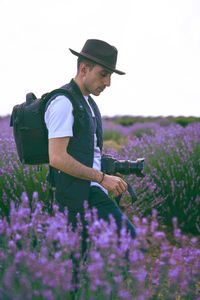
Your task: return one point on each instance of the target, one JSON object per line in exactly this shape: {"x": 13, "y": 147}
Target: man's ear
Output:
{"x": 83, "y": 68}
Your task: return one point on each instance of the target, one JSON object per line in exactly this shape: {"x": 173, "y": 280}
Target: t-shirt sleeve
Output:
{"x": 59, "y": 118}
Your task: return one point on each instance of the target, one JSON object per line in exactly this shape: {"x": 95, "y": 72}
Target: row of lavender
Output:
{"x": 39, "y": 253}
{"x": 172, "y": 167}
{"x": 36, "y": 248}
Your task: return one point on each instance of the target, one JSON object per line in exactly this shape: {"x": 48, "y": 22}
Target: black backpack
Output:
{"x": 29, "y": 128}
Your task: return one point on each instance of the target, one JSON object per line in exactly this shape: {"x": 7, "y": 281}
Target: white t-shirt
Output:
{"x": 59, "y": 120}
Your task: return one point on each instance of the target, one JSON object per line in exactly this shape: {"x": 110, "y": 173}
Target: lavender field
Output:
{"x": 38, "y": 246}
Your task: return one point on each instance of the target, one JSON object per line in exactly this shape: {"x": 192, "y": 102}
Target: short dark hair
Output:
{"x": 86, "y": 61}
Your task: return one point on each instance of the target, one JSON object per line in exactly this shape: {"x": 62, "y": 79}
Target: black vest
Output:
{"x": 71, "y": 192}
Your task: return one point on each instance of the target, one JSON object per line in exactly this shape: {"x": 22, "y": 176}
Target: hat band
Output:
{"x": 99, "y": 61}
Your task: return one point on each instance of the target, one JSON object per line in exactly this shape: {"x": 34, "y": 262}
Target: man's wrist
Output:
{"x": 102, "y": 178}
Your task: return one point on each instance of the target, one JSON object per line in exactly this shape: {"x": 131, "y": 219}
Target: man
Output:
{"x": 75, "y": 138}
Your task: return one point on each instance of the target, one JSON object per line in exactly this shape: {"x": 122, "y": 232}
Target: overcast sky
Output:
{"x": 158, "y": 45}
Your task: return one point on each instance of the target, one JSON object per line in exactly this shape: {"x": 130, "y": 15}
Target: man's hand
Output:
{"x": 114, "y": 184}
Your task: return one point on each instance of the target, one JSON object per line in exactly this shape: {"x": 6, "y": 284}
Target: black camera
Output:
{"x": 111, "y": 166}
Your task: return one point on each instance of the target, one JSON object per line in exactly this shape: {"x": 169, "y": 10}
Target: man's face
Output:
{"x": 96, "y": 79}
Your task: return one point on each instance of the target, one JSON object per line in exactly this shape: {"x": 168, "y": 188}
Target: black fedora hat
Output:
{"x": 101, "y": 53}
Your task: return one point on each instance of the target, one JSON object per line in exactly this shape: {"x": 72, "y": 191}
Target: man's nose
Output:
{"x": 107, "y": 80}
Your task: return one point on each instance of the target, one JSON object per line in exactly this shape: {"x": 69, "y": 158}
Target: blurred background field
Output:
{"x": 37, "y": 245}
{"x": 170, "y": 145}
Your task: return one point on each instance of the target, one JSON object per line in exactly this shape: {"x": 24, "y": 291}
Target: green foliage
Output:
{"x": 125, "y": 120}
{"x": 163, "y": 121}
{"x": 184, "y": 121}
{"x": 143, "y": 131}
{"x": 114, "y": 135}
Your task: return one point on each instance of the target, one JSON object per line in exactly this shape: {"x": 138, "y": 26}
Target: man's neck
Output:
{"x": 81, "y": 87}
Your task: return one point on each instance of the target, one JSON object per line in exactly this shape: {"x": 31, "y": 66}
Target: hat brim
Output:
{"x": 96, "y": 60}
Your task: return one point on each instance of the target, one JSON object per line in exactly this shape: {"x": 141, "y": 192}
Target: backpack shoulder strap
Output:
{"x": 78, "y": 110}
{"x": 48, "y": 97}
{"x": 67, "y": 92}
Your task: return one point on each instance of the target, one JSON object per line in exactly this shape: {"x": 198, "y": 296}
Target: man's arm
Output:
{"x": 61, "y": 160}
